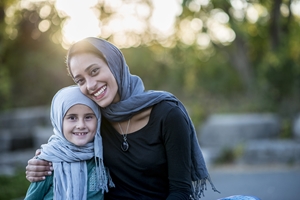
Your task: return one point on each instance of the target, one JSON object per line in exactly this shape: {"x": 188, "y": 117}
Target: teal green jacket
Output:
{"x": 44, "y": 189}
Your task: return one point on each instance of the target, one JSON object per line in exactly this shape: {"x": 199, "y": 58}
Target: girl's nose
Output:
{"x": 80, "y": 124}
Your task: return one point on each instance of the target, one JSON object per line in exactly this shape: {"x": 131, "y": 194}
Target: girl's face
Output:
{"x": 94, "y": 78}
{"x": 79, "y": 125}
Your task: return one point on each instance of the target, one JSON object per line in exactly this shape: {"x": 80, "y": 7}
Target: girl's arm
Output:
{"x": 40, "y": 190}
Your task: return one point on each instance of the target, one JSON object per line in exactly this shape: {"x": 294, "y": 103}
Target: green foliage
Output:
{"x": 141, "y": 61}
{"x": 5, "y": 87}
{"x": 32, "y": 66}
{"x": 13, "y": 187}
{"x": 262, "y": 63}
{"x": 230, "y": 155}
{"x": 256, "y": 72}
{"x": 286, "y": 130}
{"x": 226, "y": 156}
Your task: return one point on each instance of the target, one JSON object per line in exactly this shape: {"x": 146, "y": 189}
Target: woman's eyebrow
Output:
{"x": 86, "y": 69}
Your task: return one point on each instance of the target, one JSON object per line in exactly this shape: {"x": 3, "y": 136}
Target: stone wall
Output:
{"x": 22, "y": 131}
{"x": 228, "y": 130}
{"x": 18, "y": 127}
{"x": 255, "y": 136}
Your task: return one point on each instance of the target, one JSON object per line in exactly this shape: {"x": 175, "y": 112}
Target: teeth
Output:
{"x": 80, "y": 133}
{"x": 100, "y": 91}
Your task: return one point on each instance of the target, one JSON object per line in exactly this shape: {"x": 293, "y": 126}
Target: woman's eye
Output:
{"x": 94, "y": 71}
{"x": 79, "y": 81}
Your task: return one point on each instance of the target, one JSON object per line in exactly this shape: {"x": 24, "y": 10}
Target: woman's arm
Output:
{"x": 36, "y": 169}
{"x": 178, "y": 149}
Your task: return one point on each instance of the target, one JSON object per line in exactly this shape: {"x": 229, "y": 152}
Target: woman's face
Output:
{"x": 94, "y": 78}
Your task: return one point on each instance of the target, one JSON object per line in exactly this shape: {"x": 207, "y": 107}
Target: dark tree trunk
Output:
{"x": 275, "y": 25}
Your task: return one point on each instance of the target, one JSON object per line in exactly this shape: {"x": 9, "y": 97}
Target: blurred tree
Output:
{"x": 31, "y": 64}
{"x": 233, "y": 52}
{"x": 233, "y": 49}
{"x": 5, "y": 82}
{"x": 257, "y": 38}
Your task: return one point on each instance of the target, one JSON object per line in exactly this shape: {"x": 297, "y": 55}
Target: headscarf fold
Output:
{"x": 69, "y": 161}
{"x": 134, "y": 98}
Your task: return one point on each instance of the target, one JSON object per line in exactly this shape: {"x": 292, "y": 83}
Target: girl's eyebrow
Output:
{"x": 90, "y": 113}
{"x": 71, "y": 114}
{"x": 84, "y": 114}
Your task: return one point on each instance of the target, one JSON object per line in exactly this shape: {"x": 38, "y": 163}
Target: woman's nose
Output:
{"x": 91, "y": 84}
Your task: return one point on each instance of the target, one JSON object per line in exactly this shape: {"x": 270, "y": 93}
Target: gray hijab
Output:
{"x": 69, "y": 160}
{"x": 134, "y": 98}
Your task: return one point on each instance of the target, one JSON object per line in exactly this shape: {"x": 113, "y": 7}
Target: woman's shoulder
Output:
{"x": 166, "y": 109}
{"x": 166, "y": 104}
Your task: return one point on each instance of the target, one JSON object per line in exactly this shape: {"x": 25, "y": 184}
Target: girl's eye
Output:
{"x": 71, "y": 118}
{"x": 89, "y": 117}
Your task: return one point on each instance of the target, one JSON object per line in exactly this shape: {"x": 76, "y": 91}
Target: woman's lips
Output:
{"x": 100, "y": 93}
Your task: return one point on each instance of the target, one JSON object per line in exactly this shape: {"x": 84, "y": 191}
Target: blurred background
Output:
{"x": 235, "y": 64}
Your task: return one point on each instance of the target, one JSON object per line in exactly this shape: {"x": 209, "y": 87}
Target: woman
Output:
{"x": 149, "y": 141}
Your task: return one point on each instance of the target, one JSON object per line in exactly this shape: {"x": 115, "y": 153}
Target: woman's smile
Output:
{"x": 100, "y": 93}
{"x": 92, "y": 74}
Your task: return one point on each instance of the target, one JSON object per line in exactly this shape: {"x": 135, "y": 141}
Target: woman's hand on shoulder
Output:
{"x": 36, "y": 169}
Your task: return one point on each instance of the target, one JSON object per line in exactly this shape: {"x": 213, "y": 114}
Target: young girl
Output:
{"x": 75, "y": 150}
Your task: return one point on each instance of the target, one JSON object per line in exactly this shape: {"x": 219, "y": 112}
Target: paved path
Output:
{"x": 267, "y": 183}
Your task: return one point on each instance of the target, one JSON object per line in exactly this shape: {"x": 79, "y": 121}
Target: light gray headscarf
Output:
{"x": 69, "y": 160}
{"x": 134, "y": 98}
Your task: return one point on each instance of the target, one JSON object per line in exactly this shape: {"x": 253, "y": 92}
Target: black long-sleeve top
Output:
{"x": 157, "y": 164}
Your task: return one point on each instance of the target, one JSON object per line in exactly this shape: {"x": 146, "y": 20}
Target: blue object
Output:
{"x": 240, "y": 197}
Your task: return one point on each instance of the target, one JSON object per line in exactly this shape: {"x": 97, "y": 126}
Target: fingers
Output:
{"x": 36, "y": 170}
{"x": 33, "y": 162}
{"x": 47, "y": 170}
{"x": 35, "y": 174}
{"x": 35, "y": 179}
{"x": 37, "y": 152}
